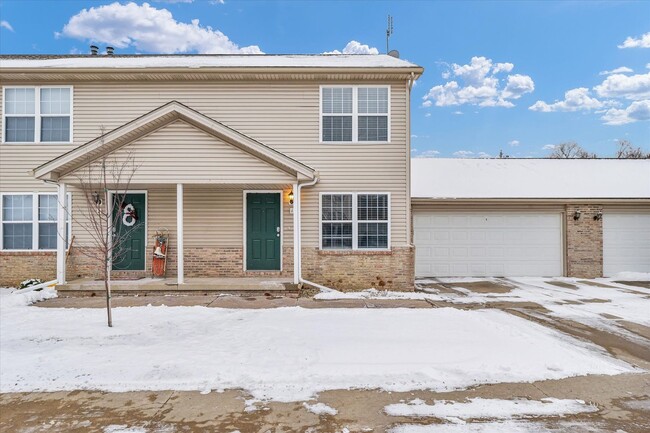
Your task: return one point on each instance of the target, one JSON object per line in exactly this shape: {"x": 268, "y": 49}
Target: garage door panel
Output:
{"x": 626, "y": 242}
{"x": 488, "y": 244}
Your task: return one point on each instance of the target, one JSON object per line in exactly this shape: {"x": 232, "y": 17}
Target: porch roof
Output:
{"x": 159, "y": 118}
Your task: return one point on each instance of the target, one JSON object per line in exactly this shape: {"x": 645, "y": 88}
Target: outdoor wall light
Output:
{"x": 291, "y": 197}
{"x": 576, "y": 215}
{"x": 96, "y": 198}
{"x": 598, "y": 216}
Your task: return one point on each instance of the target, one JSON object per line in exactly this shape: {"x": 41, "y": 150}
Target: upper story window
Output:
{"x": 355, "y": 114}
{"x": 37, "y": 114}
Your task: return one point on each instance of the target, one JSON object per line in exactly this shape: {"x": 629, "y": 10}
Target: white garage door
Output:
{"x": 626, "y": 243}
{"x": 487, "y": 244}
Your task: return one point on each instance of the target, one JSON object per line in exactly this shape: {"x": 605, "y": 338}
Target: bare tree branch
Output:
{"x": 104, "y": 182}
{"x": 625, "y": 150}
{"x": 570, "y": 149}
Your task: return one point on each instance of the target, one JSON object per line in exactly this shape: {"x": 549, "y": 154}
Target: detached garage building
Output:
{"x": 530, "y": 217}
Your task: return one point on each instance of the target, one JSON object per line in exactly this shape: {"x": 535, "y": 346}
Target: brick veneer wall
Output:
{"x": 584, "y": 242}
{"x": 19, "y": 266}
{"x": 358, "y": 270}
{"x": 199, "y": 262}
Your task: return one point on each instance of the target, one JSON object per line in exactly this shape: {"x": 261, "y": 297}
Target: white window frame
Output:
{"x": 355, "y": 221}
{"x": 34, "y": 221}
{"x": 355, "y": 113}
{"x": 37, "y": 115}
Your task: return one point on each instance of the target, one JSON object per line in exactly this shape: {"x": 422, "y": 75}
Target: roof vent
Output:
{"x": 394, "y": 53}
{"x": 110, "y": 50}
{"x": 94, "y": 49}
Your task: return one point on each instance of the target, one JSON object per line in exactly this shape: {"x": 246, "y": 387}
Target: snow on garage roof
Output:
{"x": 205, "y": 61}
{"x": 442, "y": 178}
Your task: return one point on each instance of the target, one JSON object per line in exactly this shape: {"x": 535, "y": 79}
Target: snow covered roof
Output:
{"x": 198, "y": 61}
{"x": 442, "y": 178}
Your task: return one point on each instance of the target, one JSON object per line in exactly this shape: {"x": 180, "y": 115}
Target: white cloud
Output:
{"x": 614, "y": 89}
{"x": 149, "y": 29}
{"x": 574, "y": 100}
{"x": 620, "y": 70}
{"x": 427, "y": 115}
{"x": 173, "y": 1}
{"x": 640, "y": 42}
{"x": 354, "y": 47}
{"x": 5, "y": 24}
{"x": 636, "y": 111}
{"x": 458, "y": 113}
{"x": 548, "y": 147}
{"x": 502, "y": 67}
{"x": 517, "y": 86}
{"x": 427, "y": 154}
{"x": 514, "y": 143}
{"x": 633, "y": 87}
{"x": 484, "y": 155}
{"x": 480, "y": 85}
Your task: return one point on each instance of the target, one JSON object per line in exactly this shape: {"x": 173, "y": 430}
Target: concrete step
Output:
{"x": 81, "y": 293}
{"x": 148, "y": 286}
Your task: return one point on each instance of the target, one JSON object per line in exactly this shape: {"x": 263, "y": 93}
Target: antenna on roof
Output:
{"x": 389, "y": 31}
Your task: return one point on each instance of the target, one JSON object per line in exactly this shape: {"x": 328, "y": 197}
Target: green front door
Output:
{"x": 263, "y": 231}
{"x": 129, "y": 211}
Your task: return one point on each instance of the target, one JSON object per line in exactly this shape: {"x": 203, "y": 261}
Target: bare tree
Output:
{"x": 104, "y": 183}
{"x": 625, "y": 150}
{"x": 570, "y": 149}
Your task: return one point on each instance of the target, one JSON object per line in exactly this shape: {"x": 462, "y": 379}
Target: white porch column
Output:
{"x": 296, "y": 234}
{"x": 179, "y": 232}
{"x": 61, "y": 216}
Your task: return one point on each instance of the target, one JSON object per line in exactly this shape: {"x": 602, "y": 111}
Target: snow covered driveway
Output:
{"x": 284, "y": 354}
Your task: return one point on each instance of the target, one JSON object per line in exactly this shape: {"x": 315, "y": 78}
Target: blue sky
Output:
{"x": 496, "y": 73}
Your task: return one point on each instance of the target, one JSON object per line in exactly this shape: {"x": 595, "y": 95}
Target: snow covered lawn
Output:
{"x": 284, "y": 354}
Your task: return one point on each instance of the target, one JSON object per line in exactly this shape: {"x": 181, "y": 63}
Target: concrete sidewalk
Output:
{"x": 229, "y": 301}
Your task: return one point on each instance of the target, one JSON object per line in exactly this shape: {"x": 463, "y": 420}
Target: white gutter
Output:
{"x": 298, "y": 228}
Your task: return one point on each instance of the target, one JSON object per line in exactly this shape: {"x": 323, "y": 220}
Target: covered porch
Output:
{"x": 225, "y": 198}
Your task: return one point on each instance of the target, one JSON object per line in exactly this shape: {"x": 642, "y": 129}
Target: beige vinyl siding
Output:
{"x": 181, "y": 153}
{"x": 213, "y": 216}
{"x": 281, "y": 114}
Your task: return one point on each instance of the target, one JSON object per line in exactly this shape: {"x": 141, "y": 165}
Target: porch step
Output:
{"x": 151, "y": 287}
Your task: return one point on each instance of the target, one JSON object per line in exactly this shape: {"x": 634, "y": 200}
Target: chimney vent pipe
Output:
{"x": 110, "y": 50}
{"x": 94, "y": 49}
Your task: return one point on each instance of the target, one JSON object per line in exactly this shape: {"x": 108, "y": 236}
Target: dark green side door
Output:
{"x": 130, "y": 228}
{"x": 263, "y": 231}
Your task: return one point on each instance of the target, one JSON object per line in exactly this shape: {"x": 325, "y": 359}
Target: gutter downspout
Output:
{"x": 54, "y": 282}
{"x": 409, "y": 215}
{"x": 298, "y": 228}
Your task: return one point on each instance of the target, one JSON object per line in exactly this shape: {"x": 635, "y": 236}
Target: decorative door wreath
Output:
{"x": 129, "y": 215}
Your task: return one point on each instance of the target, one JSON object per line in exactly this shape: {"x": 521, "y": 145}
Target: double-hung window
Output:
{"x": 355, "y": 221}
{"x": 355, "y": 114}
{"x": 29, "y": 221}
{"x": 37, "y": 114}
